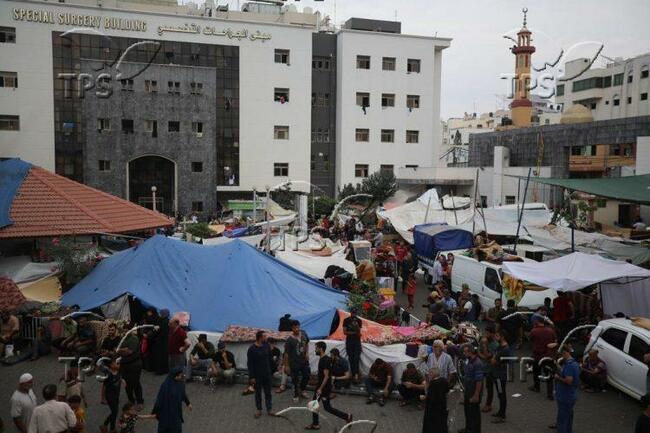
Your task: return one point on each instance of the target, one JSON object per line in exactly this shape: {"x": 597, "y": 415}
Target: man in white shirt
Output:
{"x": 52, "y": 416}
{"x": 23, "y": 402}
{"x": 438, "y": 271}
{"x": 442, "y": 361}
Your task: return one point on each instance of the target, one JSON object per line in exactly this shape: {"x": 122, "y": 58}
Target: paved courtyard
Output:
{"x": 227, "y": 411}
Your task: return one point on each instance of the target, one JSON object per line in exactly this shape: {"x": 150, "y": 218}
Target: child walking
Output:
{"x": 130, "y": 417}
{"x": 410, "y": 290}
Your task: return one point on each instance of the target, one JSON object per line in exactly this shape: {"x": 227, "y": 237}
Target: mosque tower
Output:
{"x": 522, "y": 107}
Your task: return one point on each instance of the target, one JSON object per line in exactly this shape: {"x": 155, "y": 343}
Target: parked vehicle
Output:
{"x": 430, "y": 239}
{"x": 483, "y": 278}
{"x": 622, "y": 346}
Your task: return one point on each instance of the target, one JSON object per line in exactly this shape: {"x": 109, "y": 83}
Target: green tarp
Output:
{"x": 633, "y": 189}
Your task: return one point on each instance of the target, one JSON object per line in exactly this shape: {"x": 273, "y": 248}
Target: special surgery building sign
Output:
{"x": 42, "y": 16}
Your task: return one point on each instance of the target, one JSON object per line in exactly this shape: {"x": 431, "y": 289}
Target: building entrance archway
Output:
{"x": 147, "y": 171}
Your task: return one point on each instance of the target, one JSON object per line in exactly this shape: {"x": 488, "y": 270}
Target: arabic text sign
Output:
{"x": 213, "y": 31}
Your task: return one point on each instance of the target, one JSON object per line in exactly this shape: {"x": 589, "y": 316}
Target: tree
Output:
{"x": 381, "y": 185}
{"x": 348, "y": 190}
{"x": 320, "y": 206}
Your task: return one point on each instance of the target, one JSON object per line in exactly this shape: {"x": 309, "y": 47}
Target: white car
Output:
{"x": 622, "y": 346}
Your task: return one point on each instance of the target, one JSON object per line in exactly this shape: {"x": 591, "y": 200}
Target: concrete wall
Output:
{"x": 643, "y": 167}
{"x": 376, "y": 81}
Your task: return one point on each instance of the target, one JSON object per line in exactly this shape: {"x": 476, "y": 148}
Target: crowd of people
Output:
{"x": 478, "y": 366}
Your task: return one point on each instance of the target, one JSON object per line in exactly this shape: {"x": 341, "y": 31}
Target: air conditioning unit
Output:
{"x": 199, "y": 134}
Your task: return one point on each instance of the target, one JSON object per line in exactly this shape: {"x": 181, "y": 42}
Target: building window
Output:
{"x": 592, "y": 105}
{"x": 413, "y": 166}
{"x": 644, "y": 96}
{"x": 510, "y": 199}
{"x": 150, "y": 86}
{"x": 8, "y": 35}
{"x": 151, "y": 126}
{"x": 412, "y": 136}
{"x": 616, "y": 102}
{"x": 412, "y": 101}
{"x": 644, "y": 72}
{"x": 281, "y": 132}
{"x": 326, "y": 135}
{"x": 618, "y": 79}
{"x": 413, "y": 66}
{"x": 363, "y": 100}
{"x": 630, "y": 78}
{"x": 559, "y": 90}
{"x": 387, "y": 99}
{"x": 281, "y": 169}
{"x": 313, "y": 161}
{"x": 197, "y": 206}
{"x": 387, "y": 168}
{"x": 282, "y": 56}
{"x": 196, "y": 88}
{"x": 362, "y": 135}
{"x": 321, "y": 64}
{"x": 484, "y": 201}
{"x": 363, "y": 62}
{"x": 8, "y": 79}
{"x": 9, "y": 123}
{"x": 174, "y": 87}
{"x": 281, "y": 95}
{"x": 197, "y": 128}
{"x": 197, "y": 167}
{"x": 607, "y": 81}
{"x": 103, "y": 125}
{"x": 388, "y": 63}
{"x": 127, "y": 126}
{"x": 361, "y": 170}
{"x": 127, "y": 85}
{"x": 629, "y": 99}
{"x": 387, "y": 135}
{"x": 104, "y": 165}
{"x": 173, "y": 126}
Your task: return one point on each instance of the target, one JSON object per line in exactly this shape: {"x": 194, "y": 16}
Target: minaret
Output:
{"x": 522, "y": 108}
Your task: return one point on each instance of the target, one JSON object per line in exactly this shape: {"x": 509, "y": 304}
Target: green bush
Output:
{"x": 200, "y": 230}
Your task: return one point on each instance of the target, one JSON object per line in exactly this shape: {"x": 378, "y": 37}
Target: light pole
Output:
{"x": 153, "y": 197}
{"x": 266, "y": 218}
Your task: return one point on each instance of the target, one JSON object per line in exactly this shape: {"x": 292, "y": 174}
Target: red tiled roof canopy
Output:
{"x": 51, "y": 205}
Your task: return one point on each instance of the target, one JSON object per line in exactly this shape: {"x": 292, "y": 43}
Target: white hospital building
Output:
{"x": 210, "y": 104}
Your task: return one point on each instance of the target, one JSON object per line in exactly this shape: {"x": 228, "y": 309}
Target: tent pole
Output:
{"x": 426, "y": 214}
{"x": 523, "y": 206}
{"x": 454, "y": 205}
{"x": 268, "y": 223}
{"x": 474, "y": 204}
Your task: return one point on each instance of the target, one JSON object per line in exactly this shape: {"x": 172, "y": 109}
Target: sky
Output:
{"x": 479, "y": 55}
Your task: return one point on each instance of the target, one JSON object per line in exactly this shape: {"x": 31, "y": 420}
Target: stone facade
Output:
{"x": 182, "y": 148}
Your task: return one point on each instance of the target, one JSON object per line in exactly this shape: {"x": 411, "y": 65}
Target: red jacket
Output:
{"x": 541, "y": 336}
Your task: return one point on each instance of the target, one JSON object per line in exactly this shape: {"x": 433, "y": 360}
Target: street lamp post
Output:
{"x": 153, "y": 197}
{"x": 268, "y": 222}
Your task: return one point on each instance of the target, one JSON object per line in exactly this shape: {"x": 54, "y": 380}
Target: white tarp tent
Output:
{"x": 315, "y": 265}
{"x": 624, "y": 287}
{"x": 575, "y": 271}
{"x": 404, "y": 218}
{"x": 394, "y": 354}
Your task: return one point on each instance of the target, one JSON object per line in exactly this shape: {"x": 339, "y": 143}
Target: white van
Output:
{"x": 483, "y": 278}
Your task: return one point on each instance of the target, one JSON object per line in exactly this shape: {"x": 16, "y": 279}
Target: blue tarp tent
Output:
{"x": 229, "y": 284}
{"x": 431, "y": 238}
{"x": 12, "y": 174}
